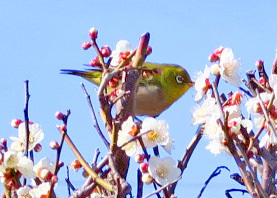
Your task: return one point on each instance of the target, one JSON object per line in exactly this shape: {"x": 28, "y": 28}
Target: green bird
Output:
{"x": 160, "y": 85}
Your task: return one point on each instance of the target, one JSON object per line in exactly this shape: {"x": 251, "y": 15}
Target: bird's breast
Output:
{"x": 150, "y": 101}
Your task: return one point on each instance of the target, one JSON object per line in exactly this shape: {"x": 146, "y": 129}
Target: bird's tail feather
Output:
{"x": 91, "y": 75}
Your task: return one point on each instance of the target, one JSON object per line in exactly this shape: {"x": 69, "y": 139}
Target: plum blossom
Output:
{"x": 44, "y": 169}
{"x": 36, "y": 136}
{"x": 25, "y": 167}
{"x": 206, "y": 111}
{"x": 164, "y": 170}
{"x": 228, "y": 67}
{"x": 42, "y": 190}
{"x": 23, "y": 192}
{"x": 128, "y": 132}
{"x": 202, "y": 84}
{"x": 122, "y": 46}
{"x": 157, "y": 132}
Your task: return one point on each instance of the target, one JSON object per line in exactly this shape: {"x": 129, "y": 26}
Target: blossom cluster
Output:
{"x": 15, "y": 166}
{"x": 223, "y": 116}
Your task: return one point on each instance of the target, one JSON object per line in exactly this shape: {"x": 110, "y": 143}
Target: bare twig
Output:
{"x": 96, "y": 125}
{"x": 26, "y": 116}
{"x": 215, "y": 173}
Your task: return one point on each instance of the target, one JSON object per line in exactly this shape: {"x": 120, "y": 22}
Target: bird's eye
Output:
{"x": 180, "y": 79}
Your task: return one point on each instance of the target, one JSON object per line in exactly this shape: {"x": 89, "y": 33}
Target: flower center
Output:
{"x": 153, "y": 135}
{"x": 162, "y": 172}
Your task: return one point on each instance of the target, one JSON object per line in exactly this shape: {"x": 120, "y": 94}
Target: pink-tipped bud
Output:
{"x": 146, "y": 178}
{"x": 259, "y": 63}
{"x": 54, "y": 145}
{"x": 95, "y": 62}
{"x": 54, "y": 179}
{"x": 62, "y": 127}
{"x": 86, "y": 45}
{"x": 59, "y": 115}
{"x": 106, "y": 51}
{"x": 213, "y": 57}
{"x": 139, "y": 158}
{"x": 93, "y": 33}
{"x": 144, "y": 167}
{"x": 4, "y": 142}
{"x": 38, "y": 148}
{"x": 16, "y": 122}
{"x": 148, "y": 50}
{"x": 76, "y": 165}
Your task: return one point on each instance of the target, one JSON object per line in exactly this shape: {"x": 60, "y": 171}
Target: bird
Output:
{"x": 159, "y": 86}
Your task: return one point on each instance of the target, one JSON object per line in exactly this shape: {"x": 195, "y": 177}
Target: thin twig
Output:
{"x": 162, "y": 188}
{"x": 215, "y": 173}
{"x": 96, "y": 125}
{"x": 26, "y": 116}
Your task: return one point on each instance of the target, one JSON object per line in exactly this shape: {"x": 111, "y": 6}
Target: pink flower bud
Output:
{"x": 93, "y": 33}
{"x": 54, "y": 145}
{"x": 4, "y": 142}
{"x": 213, "y": 57}
{"x": 61, "y": 127}
{"x": 38, "y": 148}
{"x": 106, "y": 51}
{"x": 76, "y": 165}
{"x": 95, "y": 62}
{"x": 149, "y": 50}
{"x": 139, "y": 158}
{"x": 259, "y": 63}
{"x": 144, "y": 167}
{"x": 86, "y": 45}
{"x": 16, "y": 122}
{"x": 59, "y": 115}
{"x": 54, "y": 179}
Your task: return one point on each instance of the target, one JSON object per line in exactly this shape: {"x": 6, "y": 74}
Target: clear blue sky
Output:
{"x": 38, "y": 38}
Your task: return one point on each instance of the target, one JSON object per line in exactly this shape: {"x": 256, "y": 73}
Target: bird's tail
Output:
{"x": 93, "y": 76}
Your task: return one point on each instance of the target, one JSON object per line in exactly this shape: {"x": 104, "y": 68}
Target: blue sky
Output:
{"x": 38, "y": 38}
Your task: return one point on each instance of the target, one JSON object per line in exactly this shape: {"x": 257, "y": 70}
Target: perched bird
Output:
{"x": 160, "y": 85}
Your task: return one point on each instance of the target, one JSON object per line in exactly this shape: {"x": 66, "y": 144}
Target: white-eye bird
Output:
{"x": 160, "y": 85}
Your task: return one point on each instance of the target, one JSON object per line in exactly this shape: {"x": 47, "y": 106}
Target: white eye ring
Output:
{"x": 179, "y": 79}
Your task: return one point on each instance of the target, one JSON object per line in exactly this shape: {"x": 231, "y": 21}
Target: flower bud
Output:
{"x": 86, "y": 45}
{"x": 54, "y": 145}
{"x": 213, "y": 57}
{"x": 61, "y": 127}
{"x": 215, "y": 69}
{"x": 76, "y": 165}
{"x": 139, "y": 158}
{"x": 59, "y": 115}
{"x": 95, "y": 62}
{"x": 3, "y": 142}
{"x": 148, "y": 50}
{"x": 93, "y": 33}
{"x": 259, "y": 63}
{"x": 54, "y": 179}
{"x": 144, "y": 167}
{"x": 16, "y": 122}
{"x": 106, "y": 51}
{"x": 146, "y": 178}
{"x": 38, "y": 148}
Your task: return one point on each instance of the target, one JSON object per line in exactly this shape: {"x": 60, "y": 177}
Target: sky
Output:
{"x": 38, "y": 38}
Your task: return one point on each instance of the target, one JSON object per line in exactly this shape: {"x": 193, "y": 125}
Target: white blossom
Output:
{"x": 25, "y": 166}
{"x": 228, "y": 67}
{"x": 164, "y": 170}
{"x": 206, "y": 111}
{"x": 157, "y": 132}
{"x": 125, "y": 135}
{"x": 42, "y": 190}
{"x": 121, "y": 46}
{"x": 23, "y": 192}
{"x": 36, "y": 135}
{"x": 202, "y": 84}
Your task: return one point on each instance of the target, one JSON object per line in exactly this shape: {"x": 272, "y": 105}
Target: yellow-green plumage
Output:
{"x": 156, "y": 93}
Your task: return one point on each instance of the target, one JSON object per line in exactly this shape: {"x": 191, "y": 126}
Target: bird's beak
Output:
{"x": 191, "y": 83}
